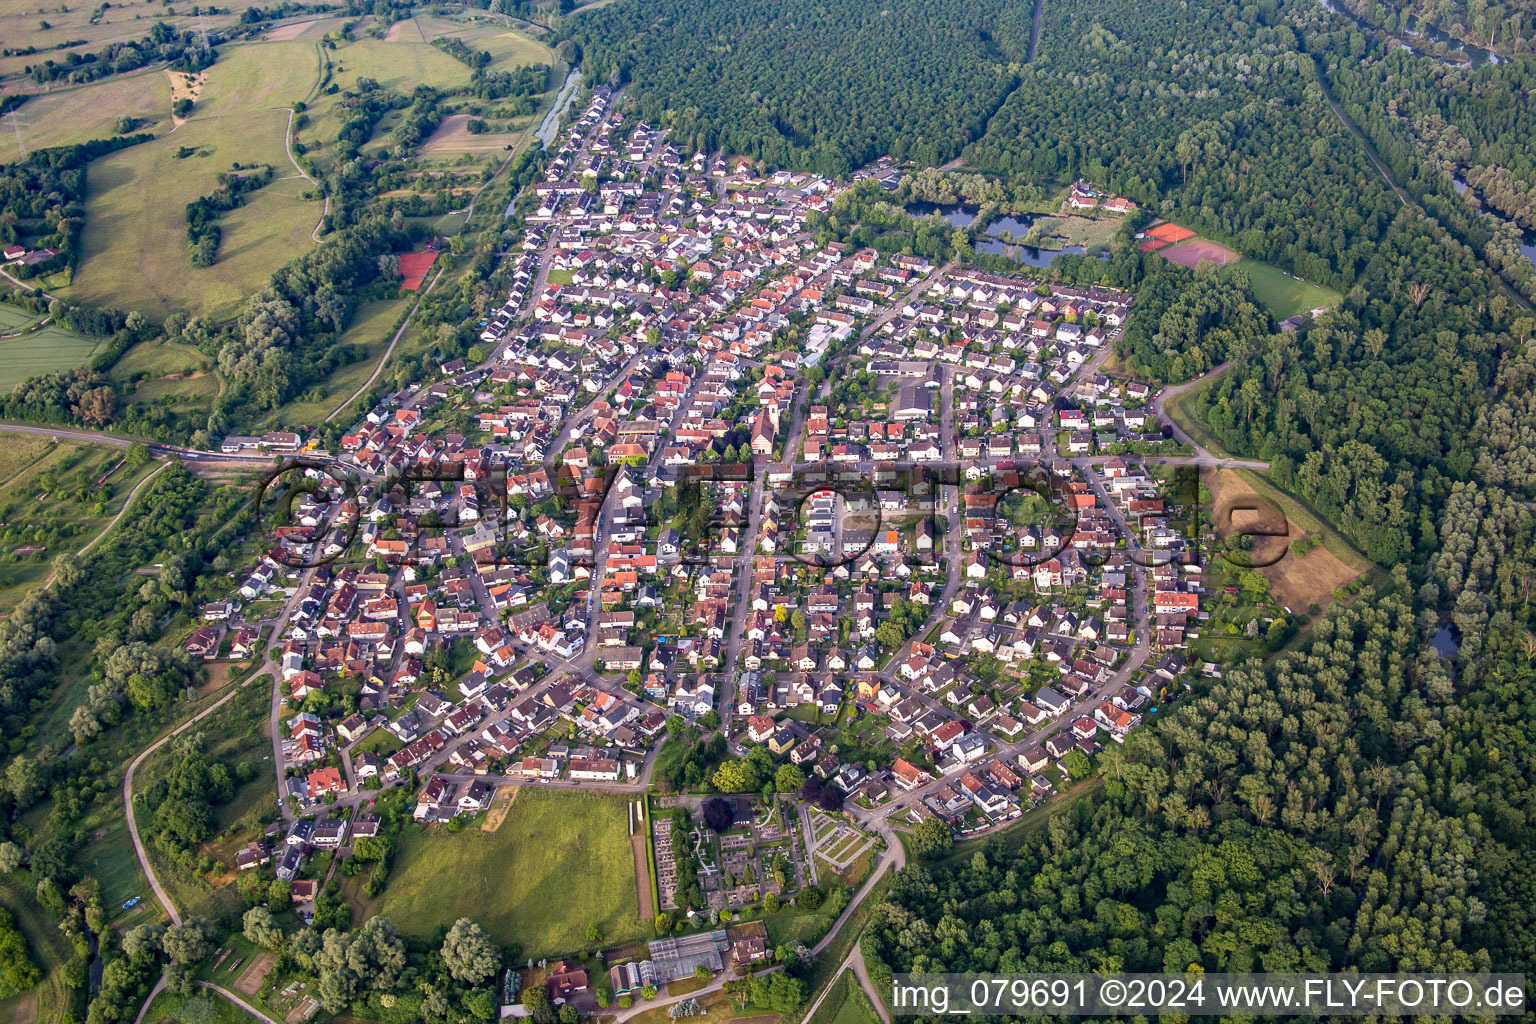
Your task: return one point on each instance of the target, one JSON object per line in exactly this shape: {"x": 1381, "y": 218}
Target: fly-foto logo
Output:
{"x": 1022, "y": 516}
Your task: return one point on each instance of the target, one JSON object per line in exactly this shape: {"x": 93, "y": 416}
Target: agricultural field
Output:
{"x": 134, "y": 251}
{"x": 454, "y": 136}
{"x": 560, "y": 862}
{"x": 405, "y": 57}
{"x": 1284, "y": 295}
{"x": 74, "y": 114}
{"x": 21, "y": 25}
{"x": 51, "y": 349}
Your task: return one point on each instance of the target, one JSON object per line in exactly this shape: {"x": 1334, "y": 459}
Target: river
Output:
{"x": 1476, "y": 56}
{"x": 551, "y": 122}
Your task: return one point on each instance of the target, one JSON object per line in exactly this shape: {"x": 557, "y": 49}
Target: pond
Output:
{"x": 957, "y": 215}
{"x": 1444, "y": 642}
{"x": 998, "y": 243}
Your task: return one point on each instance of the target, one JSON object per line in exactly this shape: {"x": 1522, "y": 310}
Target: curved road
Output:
{"x": 226, "y": 993}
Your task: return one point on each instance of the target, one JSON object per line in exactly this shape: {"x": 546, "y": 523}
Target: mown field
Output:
{"x": 51, "y": 349}
{"x": 1283, "y": 295}
{"x": 22, "y": 25}
{"x": 134, "y": 252}
{"x": 560, "y": 862}
{"x": 77, "y": 114}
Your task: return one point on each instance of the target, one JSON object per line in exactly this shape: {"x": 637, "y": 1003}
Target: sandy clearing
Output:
{"x": 186, "y": 86}
{"x": 1190, "y": 253}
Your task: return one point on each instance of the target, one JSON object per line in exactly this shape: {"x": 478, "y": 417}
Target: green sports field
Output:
{"x": 560, "y": 862}
{"x": 1283, "y": 295}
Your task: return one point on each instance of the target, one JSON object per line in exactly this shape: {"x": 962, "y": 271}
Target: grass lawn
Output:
{"x": 20, "y": 451}
{"x": 45, "y": 351}
{"x": 846, "y": 1003}
{"x": 372, "y": 327}
{"x": 202, "y": 1006}
{"x": 72, "y": 116}
{"x": 560, "y": 862}
{"x": 134, "y": 250}
{"x": 50, "y": 1001}
{"x": 1181, "y": 409}
{"x": 158, "y": 359}
{"x": 1281, "y": 294}
{"x": 50, "y": 497}
{"x": 717, "y": 1007}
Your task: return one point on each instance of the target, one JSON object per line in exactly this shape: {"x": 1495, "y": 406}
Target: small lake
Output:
{"x": 996, "y": 239}
{"x": 956, "y": 215}
{"x": 1444, "y": 642}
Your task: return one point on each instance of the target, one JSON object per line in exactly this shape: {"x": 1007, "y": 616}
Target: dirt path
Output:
{"x": 127, "y": 503}
{"x": 383, "y": 359}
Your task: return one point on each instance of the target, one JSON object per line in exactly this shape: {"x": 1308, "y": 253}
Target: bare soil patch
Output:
{"x": 186, "y": 86}
{"x": 255, "y": 972}
{"x": 1190, "y": 253}
{"x": 218, "y": 677}
{"x": 1298, "y": 581}
{"x": 285, "y": 32}
{"x": 501, "y": 804}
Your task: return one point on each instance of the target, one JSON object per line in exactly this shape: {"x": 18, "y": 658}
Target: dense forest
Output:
{"x": 811, "y": 83}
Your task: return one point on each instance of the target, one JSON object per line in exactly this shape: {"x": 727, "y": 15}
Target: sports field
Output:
{"x": 1198, "y": 250}
{"x": 1282, "y": 294}
{"x": 134, "y": 252}
{"x": 560, "y": 862}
